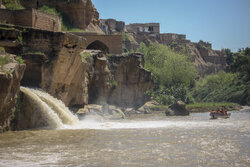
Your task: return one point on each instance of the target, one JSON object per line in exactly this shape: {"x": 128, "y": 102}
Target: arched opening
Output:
{"x": 37, "y": 4}
{"x": 98, "y": 45}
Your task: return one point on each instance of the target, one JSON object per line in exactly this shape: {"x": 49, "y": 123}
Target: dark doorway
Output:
{"x": 98, "y": 45}
{"x": 37, "y": 4}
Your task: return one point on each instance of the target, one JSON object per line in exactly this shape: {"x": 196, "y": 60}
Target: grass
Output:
{"x": 20, "y": 60}
{"x": 12, "y": 4}
{"x": 127, "y": 37}
{"x": 160, "y": 107}
{"x": 35, "y": 53}
{"x": 7, "y": 28}
{"x": 20, "y": 39}
{"x": 113, "y": 83}
{"x": 4, "y": 60}
{"x": 85, "y": 56}
{"x": 2, "y": 49}
{"x": 73, "y": 30}
{"x": 206, "y": 107}
{"x": 66, "y": 25}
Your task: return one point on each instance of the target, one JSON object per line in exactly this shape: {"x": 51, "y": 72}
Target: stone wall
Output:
{"x": 111, "y": 26}
{"x": 45, "y": 21}
{"x": 16, "y": 17}
{"x": 144, "y": 28}
{"x": 30, "y": 18}
{"x": 80, "y": 13}
{"x": 168, "y": 38}
{"x": 113, "y": 42}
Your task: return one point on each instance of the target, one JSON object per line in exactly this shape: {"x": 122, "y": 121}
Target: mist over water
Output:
{"x": 193, "y": 140}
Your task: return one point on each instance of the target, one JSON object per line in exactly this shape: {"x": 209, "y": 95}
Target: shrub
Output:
{"x": 4, "y": 59}
{"x": 66, "y": 25}
{"x": 221, "y": 87}
{"x": 169, "y": 68}
{"x": 12, "y": 4}
{"x": 85, "y": 56}
{"x": 127, "y": 37}
{"x": 20, "y": 60}
{"x": 174, "y": 73}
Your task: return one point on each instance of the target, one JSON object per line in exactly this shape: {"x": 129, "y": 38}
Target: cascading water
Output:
{"x": 54, "y": 111}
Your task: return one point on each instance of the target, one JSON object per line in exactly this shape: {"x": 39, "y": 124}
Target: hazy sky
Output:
{"x": 224, "y": 23}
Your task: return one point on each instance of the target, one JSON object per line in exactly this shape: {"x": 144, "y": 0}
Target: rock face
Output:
{"x": 59, "y": 63}
{"x": 206, "y": 59}
{"x": 10, "y": 76}
{"x": 111, "y": 26}
{"x": 131, "y": 80}
{"x": 80, "y": 13}
{"x": 179, "y": 109}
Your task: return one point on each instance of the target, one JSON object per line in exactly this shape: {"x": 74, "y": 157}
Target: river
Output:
{"x": 154, "y": 141}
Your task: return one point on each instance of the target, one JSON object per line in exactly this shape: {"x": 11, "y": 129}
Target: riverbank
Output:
{"x": 207, "y": 107}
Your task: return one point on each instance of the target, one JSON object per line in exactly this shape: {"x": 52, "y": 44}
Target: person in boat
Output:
{"x": 213, "y": 111}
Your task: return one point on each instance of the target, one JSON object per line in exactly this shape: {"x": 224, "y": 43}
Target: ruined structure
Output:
{"x": 80, "y": 13}
{"x": 30, "y": 18}
{"x": 107, "y": 43}
{"x": 169, "y": 38}
{"x": 56, "y": 63}
{"x": 207, "y": 61}
{"x": 153, "y": 28}
{"x": 111, "y": 26}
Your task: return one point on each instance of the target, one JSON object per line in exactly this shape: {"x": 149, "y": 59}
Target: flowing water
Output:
{"x": 154, "y": 141}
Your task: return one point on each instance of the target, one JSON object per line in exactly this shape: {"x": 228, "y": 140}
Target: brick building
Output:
{"x": 30, "y": 18}
{"x": 108, "y": 43}
{"x": 144, "y": 28}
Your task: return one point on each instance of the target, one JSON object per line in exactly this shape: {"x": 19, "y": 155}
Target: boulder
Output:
{"x": 177, "y": 109}
{"x": 148, "y": 107}
{"x": 105, "y": 111}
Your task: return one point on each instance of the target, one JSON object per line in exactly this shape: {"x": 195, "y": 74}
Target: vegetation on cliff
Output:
{"x": 12, "y": 4}
{"x": 66, "y": 26}
{"x": 230, "y": 87}
{"x": 174, "y": 73}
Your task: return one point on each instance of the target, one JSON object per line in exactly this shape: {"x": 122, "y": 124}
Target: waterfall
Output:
{"x": 54, "y": 111}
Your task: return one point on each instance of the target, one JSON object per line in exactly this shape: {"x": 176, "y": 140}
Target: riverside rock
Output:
{"x": 149, "y": 107}
{"x": 178, "y": 109}
{"x": 105, "y": 111}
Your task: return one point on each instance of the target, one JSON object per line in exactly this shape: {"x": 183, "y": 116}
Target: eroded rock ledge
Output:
{"x": 60, "y": 64}
{"x": 10, "y": 76}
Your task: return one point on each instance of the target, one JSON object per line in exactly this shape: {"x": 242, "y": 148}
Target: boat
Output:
{"x": 215, "y": 115}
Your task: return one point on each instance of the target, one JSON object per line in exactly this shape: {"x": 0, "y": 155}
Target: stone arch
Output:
{"x": 98, "y": 45}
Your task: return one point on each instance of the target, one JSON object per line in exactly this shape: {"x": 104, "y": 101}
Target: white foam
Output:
{"x": 92, "y": 123}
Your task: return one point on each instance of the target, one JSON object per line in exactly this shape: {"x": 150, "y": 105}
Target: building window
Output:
{"x": 151, "y": 28}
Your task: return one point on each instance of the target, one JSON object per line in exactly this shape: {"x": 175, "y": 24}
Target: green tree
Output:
{"x": 174, "y": 73}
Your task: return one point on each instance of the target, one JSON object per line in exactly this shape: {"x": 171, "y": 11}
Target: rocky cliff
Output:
{"x": 206, "y": 59}
{"x": 81, "y": 13}
{"x": 131, "y": 80}
{"x": 60, "y": 64}
{"x": 11, "y": 73}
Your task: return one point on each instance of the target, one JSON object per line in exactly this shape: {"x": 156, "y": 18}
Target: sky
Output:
{"x": 224, "y": 23}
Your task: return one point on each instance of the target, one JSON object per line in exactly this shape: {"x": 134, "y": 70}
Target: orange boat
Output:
{"x": 218, "y": 114}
